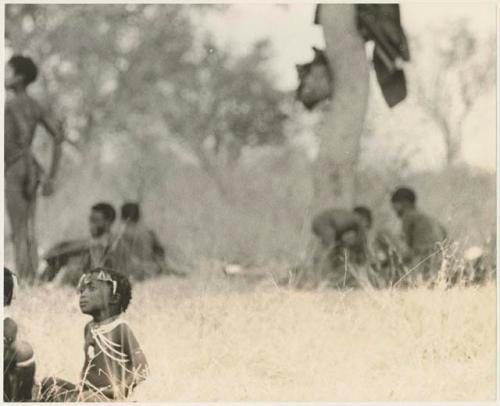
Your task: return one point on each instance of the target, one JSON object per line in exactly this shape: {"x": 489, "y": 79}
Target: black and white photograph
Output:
{"x": 250, "y": 202}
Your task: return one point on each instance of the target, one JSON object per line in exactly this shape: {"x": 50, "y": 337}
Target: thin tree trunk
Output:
{"x": 335, "y": 178}
{"x": 209, "y": 165}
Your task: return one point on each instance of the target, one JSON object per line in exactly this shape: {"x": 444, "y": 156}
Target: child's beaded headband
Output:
{"x": 102, "y": 275}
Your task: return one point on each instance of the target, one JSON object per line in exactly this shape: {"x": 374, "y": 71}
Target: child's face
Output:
{"x": 95, "y": 295}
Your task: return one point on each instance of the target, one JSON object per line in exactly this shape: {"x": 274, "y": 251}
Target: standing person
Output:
{"x": 422, "y": 233}
{"x": 23, "y": 174}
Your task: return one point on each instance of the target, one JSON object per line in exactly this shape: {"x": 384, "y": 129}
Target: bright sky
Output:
{"x": 291, "y": 32}
{"x": 290, "y": 28}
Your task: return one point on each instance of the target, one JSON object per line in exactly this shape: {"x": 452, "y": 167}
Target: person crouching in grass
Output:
{"x": 114, "y": 362}
{"x": 18, "y": 357}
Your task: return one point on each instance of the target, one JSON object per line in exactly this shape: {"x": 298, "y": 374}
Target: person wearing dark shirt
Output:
{"x": 114, "y": 362}
{"x": 422, "y": 233}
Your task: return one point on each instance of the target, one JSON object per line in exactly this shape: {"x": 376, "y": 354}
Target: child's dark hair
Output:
{"x": 131, "y": 212}
{"x": 404, "y": 194}
{"x": 25, "y": 67}
{"x": 365, "y": 212}
{"x": 8, "y": 286}
{"x": 123, "y": 286}
{"x": 106, "y": 209}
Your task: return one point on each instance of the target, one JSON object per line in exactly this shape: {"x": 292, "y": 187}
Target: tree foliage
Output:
{"x": 147, "y": 73}
{"x": 465, "y": 68}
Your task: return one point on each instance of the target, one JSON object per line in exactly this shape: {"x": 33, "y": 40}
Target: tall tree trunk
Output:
{"x": 335, "y": 177}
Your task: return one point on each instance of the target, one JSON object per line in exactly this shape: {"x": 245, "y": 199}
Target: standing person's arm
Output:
{"x": 55, "y": 131}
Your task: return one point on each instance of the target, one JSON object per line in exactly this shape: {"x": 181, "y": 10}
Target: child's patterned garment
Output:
{"x": 114, "y": 365}
{"x": 113, "y": 358}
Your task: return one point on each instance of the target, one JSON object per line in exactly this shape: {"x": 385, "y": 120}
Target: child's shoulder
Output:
{"x": 117, "y": 331}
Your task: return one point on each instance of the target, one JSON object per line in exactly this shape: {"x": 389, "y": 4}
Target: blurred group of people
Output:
{"x": 348, "y": 248}
{"x": 133, "y": 248}
{"x": 344, "y": 237}
{"x": 130, "y": 247}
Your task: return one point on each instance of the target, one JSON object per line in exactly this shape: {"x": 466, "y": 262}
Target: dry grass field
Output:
{"x": 208, "y": 338}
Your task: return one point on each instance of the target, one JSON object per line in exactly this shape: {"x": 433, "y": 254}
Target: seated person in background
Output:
{"x": 339, "y": 228}
{"x": 18, "y": 356}
{"x": 114, "y": 362}
{"x": 422, "y": 233}
{"x": 62, "y": 258}
{"x": 103, "y": 248}
{"x": 147, "y": 254}
{"x": 102, "y": 242}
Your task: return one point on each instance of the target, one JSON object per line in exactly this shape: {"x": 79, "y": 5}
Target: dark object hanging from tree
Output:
{"x": 380, "y": 23}
{"x": 315, "y": 80}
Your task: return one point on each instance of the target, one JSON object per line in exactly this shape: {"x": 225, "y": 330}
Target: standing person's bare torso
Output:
{"x": 22, "y": 114}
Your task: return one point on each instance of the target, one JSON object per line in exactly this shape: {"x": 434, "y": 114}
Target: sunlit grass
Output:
{"x": 208, "y": 338}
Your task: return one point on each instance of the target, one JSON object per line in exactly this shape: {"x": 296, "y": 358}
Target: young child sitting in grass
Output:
{"x": 114, "y": 362}
{"x": 18, "y": 358}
